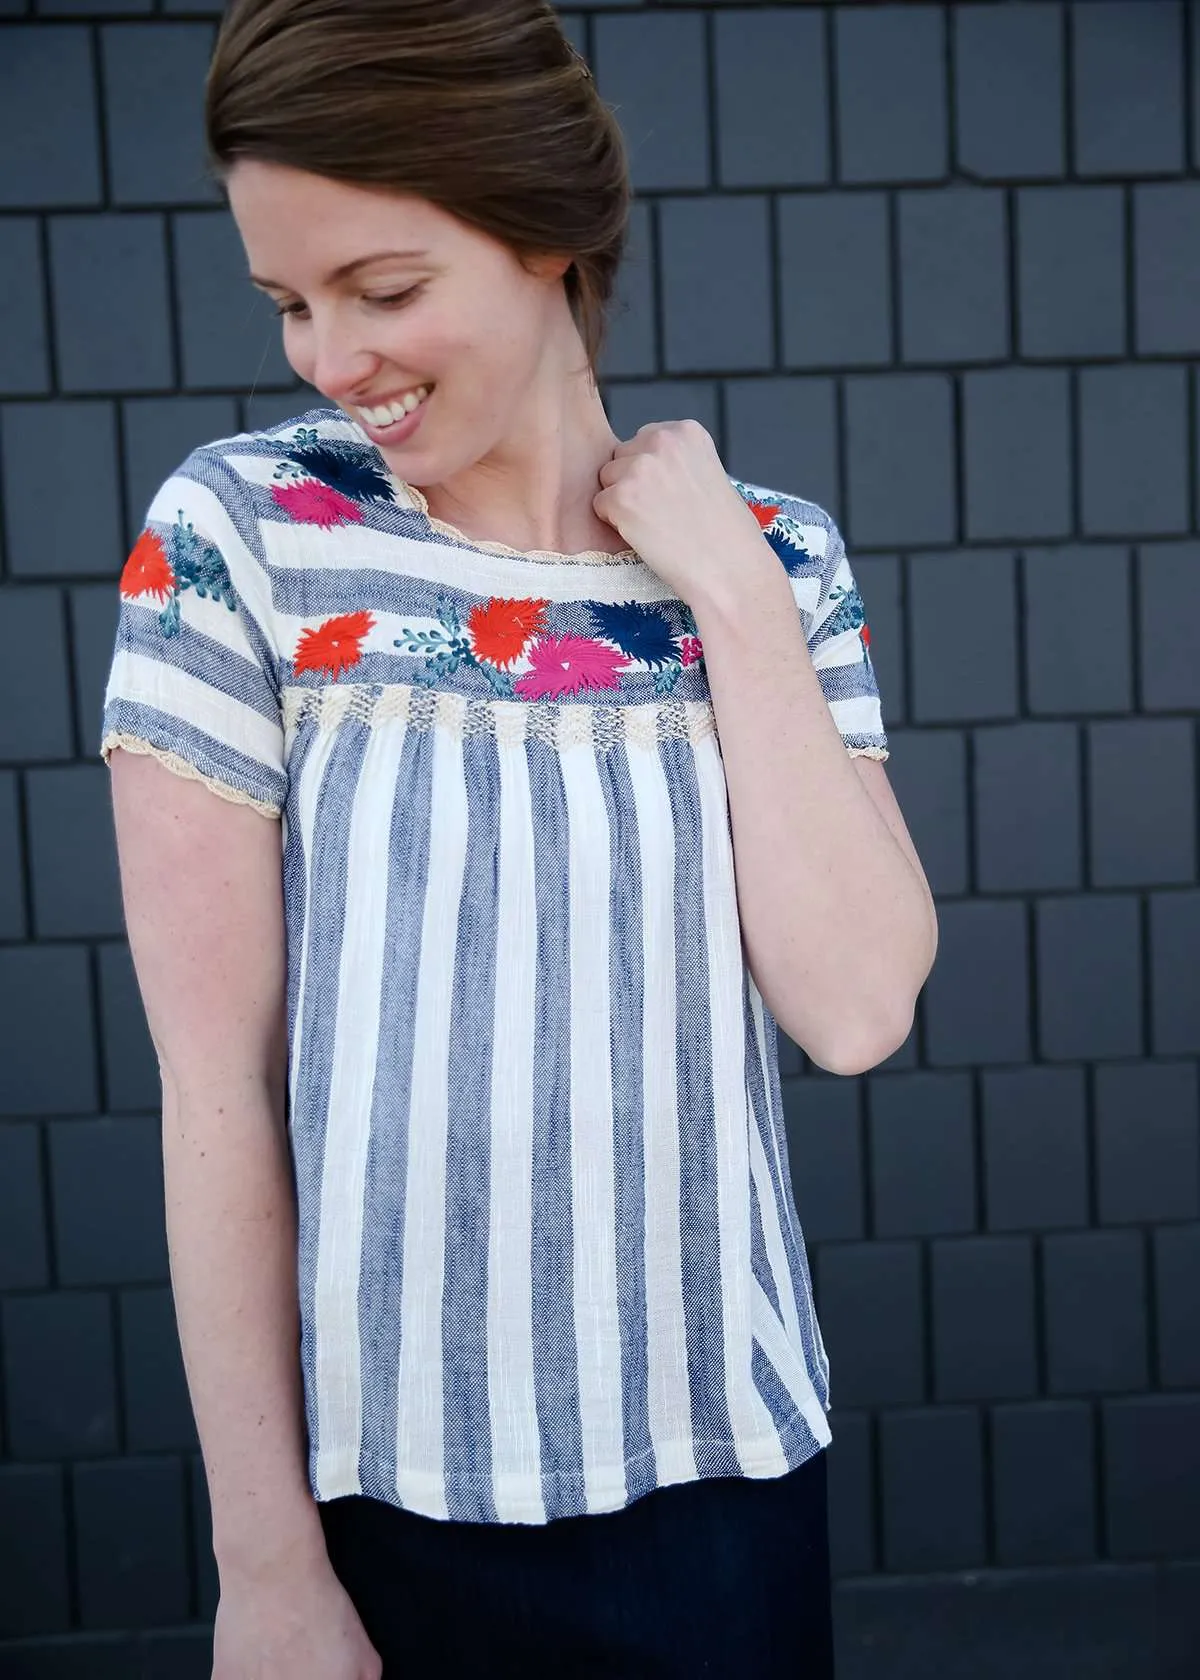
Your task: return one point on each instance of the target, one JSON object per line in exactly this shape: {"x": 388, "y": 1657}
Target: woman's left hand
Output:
{"x": 667, "y": 493}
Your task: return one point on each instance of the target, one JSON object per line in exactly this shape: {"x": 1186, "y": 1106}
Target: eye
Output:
{"x": 291, "y": 309}
{"x": 395, "y": 300}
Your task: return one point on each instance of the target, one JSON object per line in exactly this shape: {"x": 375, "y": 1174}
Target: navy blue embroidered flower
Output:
{"x": 640, "y": 631}
{"x": 342, "y": 466}
{"x": 784, "y": 536}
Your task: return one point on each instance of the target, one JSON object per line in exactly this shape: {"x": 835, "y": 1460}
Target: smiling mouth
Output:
{"x": 386, "y": 414}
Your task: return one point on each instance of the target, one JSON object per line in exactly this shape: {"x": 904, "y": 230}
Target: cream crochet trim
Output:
{"x": 879, "y": 754}
{"x": 183, "y": 767}
{"x": 544, "y": 556}
{"x": 507, "y": 721}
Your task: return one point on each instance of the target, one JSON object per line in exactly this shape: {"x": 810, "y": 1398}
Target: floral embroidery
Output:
{"x": 166, "y": 569}
{"x": 500, "y": 631}
{"x": 325, "y": 481}
{"x": 849, "y": 614}
{"x": 764, "y": 512}
{"x": 333, "y": 646}
{"x": 310, "y": 502}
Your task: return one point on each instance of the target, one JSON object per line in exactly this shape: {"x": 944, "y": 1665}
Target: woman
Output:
{"x": 490, "y": 1287}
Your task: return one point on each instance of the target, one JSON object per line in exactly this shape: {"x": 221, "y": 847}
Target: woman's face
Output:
{"x": 427, "y": 332}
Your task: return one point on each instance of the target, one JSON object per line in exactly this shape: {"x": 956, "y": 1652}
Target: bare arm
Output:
{"x": 201, "y": 880}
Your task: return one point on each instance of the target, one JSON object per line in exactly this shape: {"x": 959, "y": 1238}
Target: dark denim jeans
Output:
{"x": 726, "y": 1577}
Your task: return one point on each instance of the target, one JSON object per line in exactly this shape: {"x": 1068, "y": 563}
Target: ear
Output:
{"x": 547, "y": 265}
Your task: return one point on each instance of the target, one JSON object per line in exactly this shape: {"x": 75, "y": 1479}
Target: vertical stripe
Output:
{"x": 297, "y": 833}
{"x": 597, "y": 1321}
{"x": 702, "y": 1169}
{"x": 325, "y": 928}
{"x": 789, "y": 1367}
{"x": 516, "y": 1451}
{"x": 668, "y": 1394}
{"x": 626, "y": 994}
{"x": 723, "y": 964}
{"x": 766, "y": 1172}
{"x": 468, "y": 1445}
{"x": 556, "y": 1365}
{"x": 348, "y": 1129}
{"x": 385, "y": 1194}
{"x": 420, "y": 1428}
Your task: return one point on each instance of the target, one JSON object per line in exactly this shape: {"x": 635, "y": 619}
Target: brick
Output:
{"x": 24, "y": 349}
{"x": 106, "y": 1178}
{"x": 23, "y": 1249}
{"x": 1089, "y": 974}
{"x": 1142, "y": 788}
{"x": 960, "y": 672}
{"x": 131, "y": 1077}
{"x": 1152, "y": 1476}
{"x": 47, "y": 1057}
{"x": 716, "y": 278}
{"x": 639, "y": 402}
{"x": 130, "y": 1543}
{"x": 880, "y": 584}
{"x": 1177, "y": 1300}
{"x": 983, "y": 1318}
{"x": 59, "y": 1378}
{"x": 48, "y": 135}
{"x": 932, "y": 1463}
{"x": 1168, "y": 604}
{"x": 653, "y": 70}
{"x": 1071, "y": 270}
{"x": 1034, "y": 1148}
{"x": 1017, "y": 453}
{"x": 1174, "y": 972}
{"x": 631, "y": 343}
{"x": 851, "y": 1495}
{"x": 1147, "y": 1149}
{"x": 1078, "y": 634}
{"x": 1006, "y": 59}
{"x": 158, "y": 433}
{"x": 782, "y": 434}
{"x": 824, "y": 1136}
{"x": 12, "y": 864}
{"x": 104, "y": 1657}
{"x": 263, "y": 409}
{"x": 177, "y": 1654}
{"x": 900, "y": 459}
{"x": 1044, "y": 1495}
{"x": 35, "y": 662}
{"x": 76, "y": 888}
{"x": 33, "y": 1583}
{"x": 977, "y": 998}
{"x": 158, "y": 1412}
{"x": 771, "y": 107}
{"x": 835, "y": 283}
{"x": 1166, "y": 221}
{"x": 153, "y": 86}
{"x": 228, "y": 331}
{"x": 953, "y": 285}
{"x": 1133, "y": 432}
{"x": 922, "y": 1154}
{"x": 111, "y": 313}
{"x": 927, "y": 769}
{"x": 1094, "y": 1285}
{"x": 44, "y": 533}
{"x": 93, "y": 611}
{"x": 96, "y": 8}
{"x": 873, "y": 1321}
{"x": 1027, "y": 807}
{"x": 891, "y": 92}
{"x": 1128, "y": 85}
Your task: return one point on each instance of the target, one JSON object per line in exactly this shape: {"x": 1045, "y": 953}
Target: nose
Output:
{"x": 341, "y": 363}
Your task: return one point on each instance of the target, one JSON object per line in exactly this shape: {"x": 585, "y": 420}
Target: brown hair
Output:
{"x": 481, "y": 107}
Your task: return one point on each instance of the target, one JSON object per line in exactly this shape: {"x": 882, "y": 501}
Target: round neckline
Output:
{"x": 539, "y": 556}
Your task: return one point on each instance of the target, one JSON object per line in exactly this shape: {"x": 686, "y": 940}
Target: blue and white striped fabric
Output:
{"x": 549, "y": 1257}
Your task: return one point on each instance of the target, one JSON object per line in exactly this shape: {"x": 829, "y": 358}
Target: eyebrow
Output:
{"x": 346, "y": 269}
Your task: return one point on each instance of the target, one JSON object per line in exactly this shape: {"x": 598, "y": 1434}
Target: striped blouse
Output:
{"x": 548, "y": 1253}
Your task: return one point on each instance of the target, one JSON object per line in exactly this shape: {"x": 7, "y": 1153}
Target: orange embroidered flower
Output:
{"x": 500, "y": 629}
{"x": 147, "y": 570}
{"x": 333, "y": 646}
{"x": 764, "y": 512}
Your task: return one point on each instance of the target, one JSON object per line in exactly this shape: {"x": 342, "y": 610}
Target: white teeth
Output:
{"x": 391, "y": 412}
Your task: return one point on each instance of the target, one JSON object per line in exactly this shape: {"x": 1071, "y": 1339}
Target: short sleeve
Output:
{"x": 194, "y": 678}
{"x": 832, "y": 610}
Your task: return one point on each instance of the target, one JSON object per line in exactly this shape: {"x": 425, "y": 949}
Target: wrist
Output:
{"x": 263, "y": 1550}
{"x": 740, "y": 584}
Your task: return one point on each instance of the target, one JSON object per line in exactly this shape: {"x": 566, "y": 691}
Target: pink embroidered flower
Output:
{"x": 690, "y": 650}
{"x": 565, "y": 664}
{"x": 312, "y": 503}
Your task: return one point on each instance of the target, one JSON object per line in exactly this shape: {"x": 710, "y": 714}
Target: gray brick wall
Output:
{"x": 937, "y": 267}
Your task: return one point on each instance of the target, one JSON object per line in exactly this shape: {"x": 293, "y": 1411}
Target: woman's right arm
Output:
{"x": 202, "y": 887}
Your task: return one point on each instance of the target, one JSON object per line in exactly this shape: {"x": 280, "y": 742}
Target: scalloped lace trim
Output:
{"x": 183, "y": 767}
{"x": 543, "y": 556}
{"x": 880, "y": 754}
